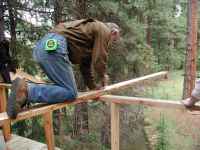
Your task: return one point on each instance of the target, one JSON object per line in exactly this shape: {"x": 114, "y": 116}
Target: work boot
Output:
{"x": 189, "y": 102}
{"x": 17, "y": 98}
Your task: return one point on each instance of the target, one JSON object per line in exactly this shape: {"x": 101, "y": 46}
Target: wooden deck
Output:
{"x": 21, "y": 143}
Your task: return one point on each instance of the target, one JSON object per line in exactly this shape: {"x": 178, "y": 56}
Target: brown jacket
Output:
{"x": 88, "y": 42}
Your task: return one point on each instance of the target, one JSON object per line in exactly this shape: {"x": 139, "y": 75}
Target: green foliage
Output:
{"x": 175, "y": 122}
{"x": 129, "y": 58}
{"x": 162, "y": 143}
{"x": 32, "y": 128}
{"x": 24, "y": 56}
{"x": 165, "y": 89}
{"x": 132, "y": 56}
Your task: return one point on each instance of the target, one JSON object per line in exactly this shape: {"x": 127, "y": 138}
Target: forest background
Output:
{"x": 153, "y": 38}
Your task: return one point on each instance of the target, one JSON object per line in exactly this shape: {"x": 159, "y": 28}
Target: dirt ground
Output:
{"x": 183, "y": 125}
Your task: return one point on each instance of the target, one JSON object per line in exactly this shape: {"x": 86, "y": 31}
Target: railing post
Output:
{"x": 114, "y": 126}
{"x": 6, "y": 124}
{"x": 48, "y": 126}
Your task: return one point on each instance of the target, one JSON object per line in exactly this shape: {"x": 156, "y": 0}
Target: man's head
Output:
{"x": 115, "y": 31}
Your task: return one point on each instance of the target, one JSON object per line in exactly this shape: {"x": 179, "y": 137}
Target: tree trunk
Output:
{"x": 13, "y": 23}
{"x": 149, "y": 31}
{"x": 58, "y": 114}
{"x": 2, "y": 36}
{"x": 81, "y": 8}
{"x": 149, "y": 23}
{"x": 58, "y": 10}
{"x": 105, "y": 130}
{"x": 81, "y": 123}
{"x": 191, "y": 51}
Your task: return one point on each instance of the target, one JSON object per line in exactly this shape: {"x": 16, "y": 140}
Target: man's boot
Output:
{"x": 17, "y": 98}
{"x": 189, "y": 102}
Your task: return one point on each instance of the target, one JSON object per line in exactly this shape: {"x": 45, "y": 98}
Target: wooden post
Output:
{"x": 48, "y": 126}
{"x": 6, "y": 124}
{"x": 114, "y": 126}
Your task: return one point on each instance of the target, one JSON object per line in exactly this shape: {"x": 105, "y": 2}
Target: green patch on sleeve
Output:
{"x": 51, "y": 45}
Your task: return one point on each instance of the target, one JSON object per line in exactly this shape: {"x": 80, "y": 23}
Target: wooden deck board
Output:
{"x": 21, "y": 143}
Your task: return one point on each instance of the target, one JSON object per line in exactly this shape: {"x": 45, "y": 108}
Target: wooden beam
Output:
{"x": 83, "y": 97}
{"x": 5, "y": 85}
{"x": 32, "y": 112}
{"x": 154, "y": 76}
{"x": 120, "y": 85}
{"x": 48, "y": 127}
{"x": 115, "y": 126}
{"x": 169, "y": 104}
{"x": 6, "y": 124}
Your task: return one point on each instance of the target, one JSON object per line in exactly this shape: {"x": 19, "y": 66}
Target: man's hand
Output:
{"x": 190, "y": 102}
{"x": 103, "y": 83}
{"x": 105, "y": 80}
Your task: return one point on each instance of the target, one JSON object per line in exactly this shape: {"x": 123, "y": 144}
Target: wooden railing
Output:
{"x": 46, "y": 110}
{"x": 6, "y": 123}
{"x": 116, "y": 101}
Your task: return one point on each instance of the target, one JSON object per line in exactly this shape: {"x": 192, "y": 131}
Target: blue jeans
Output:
{"x": 58, "y": 68}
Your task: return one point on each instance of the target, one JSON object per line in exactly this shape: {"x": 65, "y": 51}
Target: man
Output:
{"x": 84, "y": 42}
{"x": 195, "y": 96}
{"x": 6, "y": 63}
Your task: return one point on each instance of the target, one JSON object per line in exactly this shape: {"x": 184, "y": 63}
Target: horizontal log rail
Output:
{"x": 168, "y": 104}
{"x": 154, "y": 76}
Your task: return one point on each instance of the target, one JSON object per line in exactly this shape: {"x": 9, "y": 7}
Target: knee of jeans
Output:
{"x": 74, "y": 94}
{"x": 71, "y": 95}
